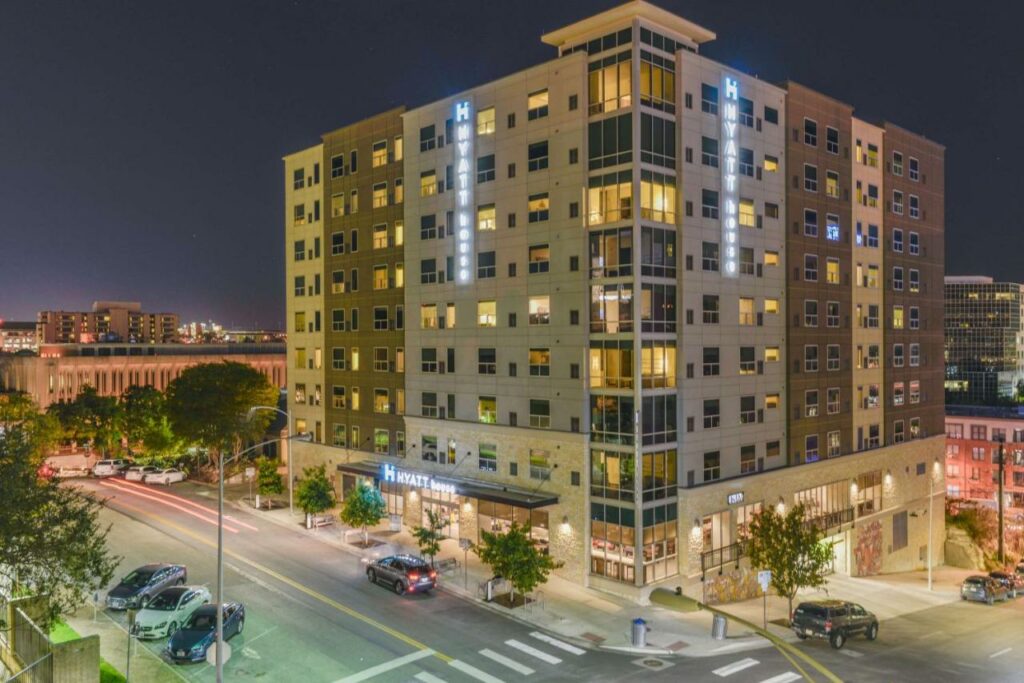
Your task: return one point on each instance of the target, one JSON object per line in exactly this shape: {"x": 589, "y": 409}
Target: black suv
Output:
{"x": 833, "y": 619}
{"x": 403, "y": 573}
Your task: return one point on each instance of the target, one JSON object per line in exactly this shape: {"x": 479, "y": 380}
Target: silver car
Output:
{"x": 403, "y": 574}
{"x": 983, "y": 589}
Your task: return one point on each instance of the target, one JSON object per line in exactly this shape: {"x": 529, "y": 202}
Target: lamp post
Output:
{"x": 291, "y": 479}
{"x": 219, "y": 643}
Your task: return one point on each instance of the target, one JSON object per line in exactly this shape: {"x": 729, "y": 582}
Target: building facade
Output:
{"x": 984, "y": 344}
{"x": 18, "y": 337}
{"x": 645, "y": 301}
{"x": 60, "y": 371}
{"x": 108, "y": 321}
{"x": 974, "y": 437}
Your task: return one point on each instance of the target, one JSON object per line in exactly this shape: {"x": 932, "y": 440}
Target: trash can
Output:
{"x": 639, "y": 633}
{"x": 489, "y": 591}
{"x": 718, "y": 627}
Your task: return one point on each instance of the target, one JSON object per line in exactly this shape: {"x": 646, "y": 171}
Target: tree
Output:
{"x": 146, "y": 422}
{"x": 315, "y": 493}
{"x": 55, "y": 545}
{"x": 268, "y": 481}
{"x": 18, "y": 410}
{"x": 791, "y": 549}
{"x": 515, "y": 557}
{"x": 91, "y": 418}
{"x": 429, "y": 537}
{"x": 209, "y": 404}
{"x": 363, "y": 507}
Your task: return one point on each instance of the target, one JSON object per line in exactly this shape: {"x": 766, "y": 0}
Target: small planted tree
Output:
{"x": 363, "y": 507}
{"x": 791, "y": 549}
{"x": 514, "y": 556}
{"x": 268, "y": 481}
{"x": 315, "y": 493}
{"x": 429, "y": 537}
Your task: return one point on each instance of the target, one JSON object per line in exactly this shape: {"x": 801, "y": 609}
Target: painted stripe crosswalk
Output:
{"x": 533, "y": 652}
{"x": 787, "y": 677}
{"x": 505, "y": 661}
{"x": 474, "y": 672}
{"x": 374, "y": 671}
{"x": 428, "y": 677}
{"x": 571, "y": 649}
{"x": 735, "y": 667}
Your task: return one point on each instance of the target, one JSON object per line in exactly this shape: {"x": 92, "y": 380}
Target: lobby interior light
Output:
{"x": 888, "y": 477}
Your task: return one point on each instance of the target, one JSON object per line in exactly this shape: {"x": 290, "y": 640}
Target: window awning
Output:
{"x": 469, "y": 488}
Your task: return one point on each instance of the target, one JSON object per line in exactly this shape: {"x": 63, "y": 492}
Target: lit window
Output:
{"x": 540, "y": 310}
{"x": 832, "y": 184}
{"x": 746, "y": 311}
{"x": 485, "y": 121}
{"x": 832, "y": 271}
{"x": 537, "y": 105}
{"x": 771, "y": 306}
{"x": 747, "y": 219}
{"x": 487, "y": 313}
{"x": 771, "y": 164}
{"x": 897, "y": 317}
{"x": 380, "y": 195}
{"x": 428, "y": 183}
{"x": 486, "y": 217}
{"x": 428, "y": 316}
{"x": 540, "y": 256}
{"x": 379, "y": 156}
{"x": 771, "y": 258}
{"x": 538, "y": 207}
{"x": 487, "y": 412}
{"x": 771, "y": 354}
{"x": 380, "y": 236}
{"x": 398, "y": 148}
{"x": 380, "y": 277}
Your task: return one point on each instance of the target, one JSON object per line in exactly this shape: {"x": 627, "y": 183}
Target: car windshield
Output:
{"x": 975, "y": 582}
{"x": 166, "y": 601}
{"x": 811, "y": 610}
{"x": 137, "y": 578}
{"x": 201, "y": 621}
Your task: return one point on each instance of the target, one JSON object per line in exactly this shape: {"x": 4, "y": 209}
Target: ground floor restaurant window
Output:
{"x": 394, "y": 497}
{"x": 498, "y": 517}
{"x": 660, "y": 547}
{"x": 613, "y": 542}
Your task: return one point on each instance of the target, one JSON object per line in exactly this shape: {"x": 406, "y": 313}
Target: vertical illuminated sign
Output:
{"x": 464, "y": 191}
{"x": 730, "y": 203}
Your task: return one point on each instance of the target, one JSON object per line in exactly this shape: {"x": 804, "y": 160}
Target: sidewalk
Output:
{"x": 146, "y": 666}
{"x": 582, "y": 616}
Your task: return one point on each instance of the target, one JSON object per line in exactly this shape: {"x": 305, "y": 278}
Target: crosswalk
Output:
{"x": 749, "y": 663}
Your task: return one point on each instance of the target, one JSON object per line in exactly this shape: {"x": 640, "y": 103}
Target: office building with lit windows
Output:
{"x": 626, "y": 290}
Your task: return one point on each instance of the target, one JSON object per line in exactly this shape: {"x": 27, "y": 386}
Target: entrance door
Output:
{"x": 840, "y": 554}
{"x": 448, "y": 512}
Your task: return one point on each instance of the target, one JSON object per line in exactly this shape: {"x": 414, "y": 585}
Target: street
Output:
{"x": 313, "y": 617}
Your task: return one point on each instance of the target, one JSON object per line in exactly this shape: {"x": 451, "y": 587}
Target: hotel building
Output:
{"x": 643, "y": 290}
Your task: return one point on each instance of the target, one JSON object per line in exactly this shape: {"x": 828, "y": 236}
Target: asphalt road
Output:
{"x": 313, "y": 617}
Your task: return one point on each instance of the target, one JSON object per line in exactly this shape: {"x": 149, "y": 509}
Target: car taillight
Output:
{"x": 828, "y": 625}
{"x": 433, "y": 574}
{"x": 414, "y": 577}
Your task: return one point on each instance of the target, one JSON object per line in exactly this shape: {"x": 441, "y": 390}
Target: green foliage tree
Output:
{"x": 41, "y": 430}
{"x": 515, "y": 557}
{"x": 146, "y": 423}
{"x": 791, "y": 549}
{"x": 315, "y": 494}
{"x": 363, "y": 507}
{"x": 55, "y": 544}
{"x": 209, "y": 404}
{"x": 91, "y": 418}
{"x": 429, "y": 537}
{"x": 268, "y": 481}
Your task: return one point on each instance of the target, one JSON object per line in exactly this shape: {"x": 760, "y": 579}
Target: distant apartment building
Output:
{"x": 108, "y": 321}
{"x": 60, "y": 371}
{"x": 18, "y": 337}
{"x": 974, "y": 435}
{"x": 984, "y": 345}
{"x": 628, "y": 298}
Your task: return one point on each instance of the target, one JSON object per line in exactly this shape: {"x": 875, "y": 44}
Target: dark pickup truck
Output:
{"x": 835, "y": 620}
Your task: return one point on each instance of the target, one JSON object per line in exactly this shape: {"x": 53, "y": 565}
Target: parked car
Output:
{"x": 139, "y": 472}
{"x": 1011, "y": 581}
{"x": 136, "y": 589}
{"x": 190, "y": 642}
{"x": 168, "y": 610}
{"x": 835, "y": 620}
{"x": 166, "y": 477}
{"x": 110, "y": 468}
{"x": 403, "y": 573}
{"x": 983, "y": 589}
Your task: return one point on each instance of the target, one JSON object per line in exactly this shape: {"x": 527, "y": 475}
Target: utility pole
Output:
{"x": 1002, "y": 549}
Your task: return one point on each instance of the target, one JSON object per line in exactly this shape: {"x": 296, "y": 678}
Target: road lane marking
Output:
{"x": 428, "y": 677}
{"x": 384, "y": 667}
{"x": 735, "y": 667}
{"x": 1000, "y": 653}
{"x": 474, "y": 672}
{"x": 533, "y": 652}
{"x": 140, "y": 494}
{"x": 557, "y": 643}
{"x": 783, "y": 678}
{"x": 505, "y": 661}
{"x": 320, "y": 597}
{"x": 851, "y": 653}
{"x": 186, "y": 501}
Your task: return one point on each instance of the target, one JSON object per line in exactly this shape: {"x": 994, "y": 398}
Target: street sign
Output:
{"x": 250, "y": 472}
{"x": 764, "y": 577}
{"x": 464, "y": 543}
{"x": 211, "y": 654}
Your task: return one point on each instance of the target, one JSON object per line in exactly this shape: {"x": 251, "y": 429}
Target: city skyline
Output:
{"x": 118, "y": 171}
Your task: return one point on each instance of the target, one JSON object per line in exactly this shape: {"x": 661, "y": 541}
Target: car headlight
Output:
{"x": 198, "y": 647}
{"x": 161, "y": 624}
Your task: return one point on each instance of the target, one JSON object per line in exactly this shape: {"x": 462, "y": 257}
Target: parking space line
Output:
{"x": 783, "y": 678}
{"x": 533, "y": 652}
{"x": 505, "y": 661}
{"x": 384, "y": 667}
{"x": 1000, "y": 653}
{"x": 850, "y": 653}
{"x": 572, "y": 649}
{"x": 474, "y": 672}
{"x": 735, "y": 667}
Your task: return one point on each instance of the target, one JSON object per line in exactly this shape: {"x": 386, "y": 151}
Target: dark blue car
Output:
{"x": 190, "y": 642}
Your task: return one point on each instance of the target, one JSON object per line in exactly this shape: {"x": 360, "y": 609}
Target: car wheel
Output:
{"x": 838, "y": 639}
{"x": 398, "y": 587}
{"x": 241, "y": 625}
{"x": 181, "y": 581}
{"x": 171, "y": 628}
{"x": 872, "y": 632}
{"x": 801, "y": 636}
{"x": 371, "y": 575}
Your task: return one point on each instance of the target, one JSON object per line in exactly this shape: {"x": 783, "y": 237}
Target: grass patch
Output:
{"x": 61, "y": 633}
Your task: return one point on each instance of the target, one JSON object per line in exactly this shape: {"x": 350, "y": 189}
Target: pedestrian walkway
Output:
{"x": 145, "y": 665}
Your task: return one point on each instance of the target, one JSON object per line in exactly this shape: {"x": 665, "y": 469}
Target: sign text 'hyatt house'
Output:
{"x": 730, "y": 159}
{"x": 464, "y": 190}
{"x": 392, "y": 474}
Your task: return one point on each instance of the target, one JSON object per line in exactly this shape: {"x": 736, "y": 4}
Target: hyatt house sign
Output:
{"x": 394, "y": 475}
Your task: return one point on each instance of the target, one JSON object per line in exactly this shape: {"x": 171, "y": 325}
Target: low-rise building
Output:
{"x": 108, "y": 321}
{"x": 974, "y": 437}
{"x": 18, "y": 337}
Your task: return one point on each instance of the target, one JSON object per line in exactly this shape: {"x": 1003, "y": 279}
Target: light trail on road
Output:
{"x": 156, "y": 499}
{"x": 186, "y": 501}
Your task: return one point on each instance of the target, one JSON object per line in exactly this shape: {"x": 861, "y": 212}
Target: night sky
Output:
{"x": 141, "y": 142}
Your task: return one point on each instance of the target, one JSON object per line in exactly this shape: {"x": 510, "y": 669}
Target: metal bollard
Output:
{"x": 718, "y": 627}
{"x": 639, "y": 633}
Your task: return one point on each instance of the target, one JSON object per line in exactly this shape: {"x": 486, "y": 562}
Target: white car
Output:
{"x": 109, "y": 468}
{"x": 165, "y": 477}
{"x": 169, "y": 609}
{"x": 139, "y": 472}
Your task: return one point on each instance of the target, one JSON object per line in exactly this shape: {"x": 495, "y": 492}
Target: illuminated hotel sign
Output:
{"x": 392, "y": 474}
{"x": 730, "y": 203}
{"x": 464, "y": 191}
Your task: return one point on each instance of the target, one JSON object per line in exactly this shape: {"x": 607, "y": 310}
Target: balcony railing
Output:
{"x": 831, "y": 520}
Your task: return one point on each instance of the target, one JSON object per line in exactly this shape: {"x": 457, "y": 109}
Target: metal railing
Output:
{"x": 831, "y": 520}
{"x": 31, "y": 646}
{"x": 717, "y": 557}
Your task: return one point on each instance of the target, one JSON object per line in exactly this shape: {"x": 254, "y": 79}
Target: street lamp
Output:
{"x": 291, "y": 479}
{"x": 219, "y": 645}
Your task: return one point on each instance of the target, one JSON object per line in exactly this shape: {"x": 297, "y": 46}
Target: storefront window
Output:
{"x": 744, "y": 515}
{"x": 498, "y": 518}
{"x": 660, "y": 547}
{"x": 869, "y": 492}
{"x": 612, "y": 542}
{"x": 824, "y": 500}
